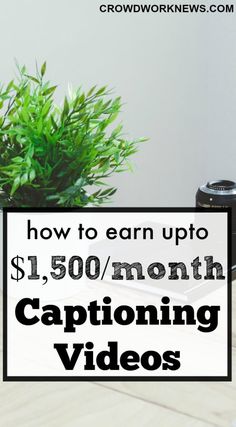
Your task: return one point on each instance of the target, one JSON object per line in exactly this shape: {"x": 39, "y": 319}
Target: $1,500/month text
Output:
{"x": 76, "y": 268}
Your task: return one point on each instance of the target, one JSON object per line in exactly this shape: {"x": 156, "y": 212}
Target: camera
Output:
{"x": 220, "y": 194}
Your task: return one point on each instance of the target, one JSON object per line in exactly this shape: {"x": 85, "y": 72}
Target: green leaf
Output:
{"x": 91, "y": 91}
{"x": 28, "y": 161}
{"x": 117, "y": 156}
{"x": 49, "y": 91}
{"x": 117, "y": 131}
{"x": 24, "y": 178}
{"x": 32, "y": 78}
{"x": 10, "y": 85}
{"x": 30, "y": 152}
{"x": 101, "y": 91}
{"x": 142, "y": 140}
{"x": 66, "y": 107}
{"x": 15, "y": 185}
{"x": 17, "y": 159}
{"x": 113, "y": 117}
{"x": 46, "y": 108}
{"x": 113, "y": 191}
{"x": 43, "y": 69}
{"x": 53, "y": 123}
{"x": 32, "y": 175}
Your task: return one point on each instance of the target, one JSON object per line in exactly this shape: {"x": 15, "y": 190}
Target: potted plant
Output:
{"x": 55, "y": 156}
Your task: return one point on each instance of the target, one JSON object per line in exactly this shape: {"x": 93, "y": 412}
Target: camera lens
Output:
{"x": 220, "y": 194}
{"x": 222, "y": 185}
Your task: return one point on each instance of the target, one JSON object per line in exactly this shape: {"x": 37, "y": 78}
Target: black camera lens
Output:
{"x": 220, "y": 194}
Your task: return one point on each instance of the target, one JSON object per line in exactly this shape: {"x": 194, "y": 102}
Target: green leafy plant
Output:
{"x": 54, "y": 156}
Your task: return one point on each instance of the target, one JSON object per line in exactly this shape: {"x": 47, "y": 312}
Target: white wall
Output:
{"x": 176, "y": 74}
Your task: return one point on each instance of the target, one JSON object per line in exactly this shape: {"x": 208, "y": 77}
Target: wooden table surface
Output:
{"x": 164, "y": 404}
